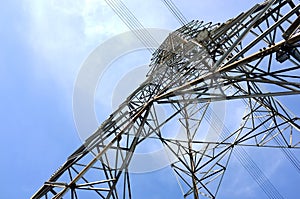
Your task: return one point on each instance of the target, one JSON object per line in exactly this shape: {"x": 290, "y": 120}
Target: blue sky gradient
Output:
{"x": 43, "y": 45}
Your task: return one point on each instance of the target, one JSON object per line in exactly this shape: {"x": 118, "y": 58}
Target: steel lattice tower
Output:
{"x": 253, "y": 58}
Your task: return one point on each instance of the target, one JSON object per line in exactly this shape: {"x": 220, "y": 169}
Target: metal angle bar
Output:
{"x": 85, "y": 180}
{"x": 220, "y": 154}
{"x": 190, "y": 154}
{"x": 258, "y": 179}
{"x": 93, "y": 188}
{"x": 254, "y": 171}
{"x": 236, "y": 33}
{"x": 93, "y": 141}
{"x": 93, "y": 183}
{"x": 292, "y": 28}
{"x": 56, "y": 184}
{"x": 255, "y": 79}
{"x": 270, "y": 13}
{"x": 228, "y": 67}
{"x": 157, "y": 128}
{"x": 180, "y": 176}
{"x": 274, "y": 26}
{"x": 202, "y": 91}
{"x": 214, "y": 164}
{"x": 108, "y": 174}
{"x": 83, "y": 165}
{"x": 288, "y": 153}
{"x": 263, "y": 141}
{"x": 243, "y": 34}
{"x": 292, "y": 6}
{"x": 287, "y": 121}
{"x": 283, "y": 117}
{"x": 181, "y": 76}
{"x": 91, "y": 163}
{"x": 106, "y": 125}
{"x": 214, "y": 99}
{"x": 226, "y": 26}
{"x": 274, "y": 74}
{"x": 260, "y": 54}
{"x": 132, "y": 148}
{"x": 247, "y": 145}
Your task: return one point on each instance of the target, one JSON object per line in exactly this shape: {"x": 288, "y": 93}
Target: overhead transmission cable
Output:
{"x": 133, "y": 24}
{"x": 175, "y": 11}
{"x": 289, "y": 154}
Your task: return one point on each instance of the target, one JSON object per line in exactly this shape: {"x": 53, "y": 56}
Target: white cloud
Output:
{"x": 62, "y": 33}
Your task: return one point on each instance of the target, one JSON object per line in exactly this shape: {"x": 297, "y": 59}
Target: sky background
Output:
{"x": 43, "y": 45}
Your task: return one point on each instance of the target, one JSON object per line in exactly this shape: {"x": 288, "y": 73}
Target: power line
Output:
{"x": 175, "y": 11}
{"x": 133, "y": 23}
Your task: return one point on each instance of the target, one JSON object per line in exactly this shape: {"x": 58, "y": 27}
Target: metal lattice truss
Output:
{"x": 252, "y": 58}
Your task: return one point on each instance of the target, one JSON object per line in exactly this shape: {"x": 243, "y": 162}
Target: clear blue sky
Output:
{"x": 43, "y": 44}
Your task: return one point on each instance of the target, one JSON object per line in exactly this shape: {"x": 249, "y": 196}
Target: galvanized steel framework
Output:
{"x": 196, "y": 65}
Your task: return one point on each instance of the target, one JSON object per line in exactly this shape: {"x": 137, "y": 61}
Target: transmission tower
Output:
{"x": 253, "y": 58}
